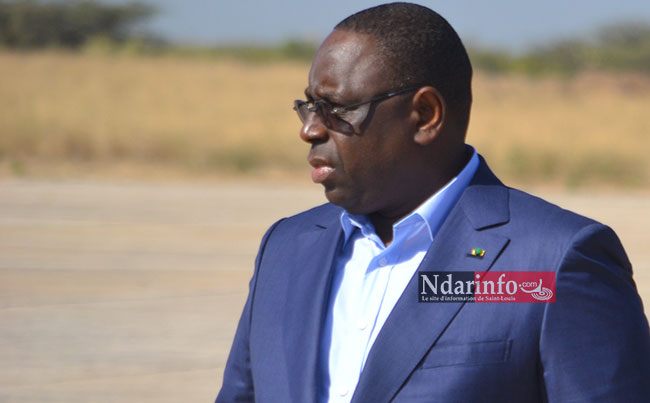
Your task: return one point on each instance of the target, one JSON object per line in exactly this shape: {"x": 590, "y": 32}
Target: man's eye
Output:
{"x": 342, "y": 112}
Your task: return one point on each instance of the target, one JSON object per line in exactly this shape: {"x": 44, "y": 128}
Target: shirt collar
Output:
{"x": 432, "y": 211}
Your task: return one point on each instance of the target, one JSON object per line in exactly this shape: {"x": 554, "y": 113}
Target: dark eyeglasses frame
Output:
{"x": 327, "y": 109}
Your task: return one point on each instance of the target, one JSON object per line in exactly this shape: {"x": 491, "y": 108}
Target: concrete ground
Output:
{"x": 131, "y": 292}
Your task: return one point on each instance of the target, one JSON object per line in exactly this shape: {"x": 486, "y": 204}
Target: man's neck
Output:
{"x": 383, "y": 227}
{"x": 383, "y": 221}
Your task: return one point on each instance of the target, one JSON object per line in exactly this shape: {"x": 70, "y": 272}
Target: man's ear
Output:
{"x": 431, "y": 111}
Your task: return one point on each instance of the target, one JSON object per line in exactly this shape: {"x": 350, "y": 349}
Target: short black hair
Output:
{"x": 421, "y": 48}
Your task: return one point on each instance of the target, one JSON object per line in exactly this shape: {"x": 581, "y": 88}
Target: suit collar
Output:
{"x": 485, "y": 201}
{"x": 328, "y": 215}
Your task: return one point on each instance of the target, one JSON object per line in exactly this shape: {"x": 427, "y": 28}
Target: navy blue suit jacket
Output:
{"x": 593, "y": 344}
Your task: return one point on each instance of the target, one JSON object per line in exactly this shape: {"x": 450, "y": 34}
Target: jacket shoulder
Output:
{"x": 542, "y": 214}
{"x": 546, "y": 232}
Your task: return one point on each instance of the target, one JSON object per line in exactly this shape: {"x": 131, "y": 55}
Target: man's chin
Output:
{"x": 349, "y": 202}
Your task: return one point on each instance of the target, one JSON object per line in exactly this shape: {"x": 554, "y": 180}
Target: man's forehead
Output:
{"x": 345, "y": 61}
{"x": 345, "y": 44}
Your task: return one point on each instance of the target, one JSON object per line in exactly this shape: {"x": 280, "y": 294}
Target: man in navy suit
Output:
{"x": 333, "y": 312}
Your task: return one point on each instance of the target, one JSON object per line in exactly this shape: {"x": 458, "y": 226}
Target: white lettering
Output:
{"x": 432, "y": 286}
{"x": 485, "y": 285}
{"x": 445, "y": 287}
{"x": 460, "y": 289}
{"x": 500, "y": 283}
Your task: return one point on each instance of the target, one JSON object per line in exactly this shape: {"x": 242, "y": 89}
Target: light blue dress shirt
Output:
{"x": 368, "y": 280}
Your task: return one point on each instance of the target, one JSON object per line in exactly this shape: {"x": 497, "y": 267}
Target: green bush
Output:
{"x": 29, "y": 24}
{"x": 619, "y": 47}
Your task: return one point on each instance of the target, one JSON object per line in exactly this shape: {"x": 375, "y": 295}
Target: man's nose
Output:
{"x": 313, "y": 130}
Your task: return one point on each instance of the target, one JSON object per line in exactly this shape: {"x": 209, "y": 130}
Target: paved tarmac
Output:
{"x": 130, "y": 292}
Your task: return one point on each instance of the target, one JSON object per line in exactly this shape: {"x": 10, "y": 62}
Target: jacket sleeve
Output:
{"x": 238, "y": 385}
{"x": 595, "y": 342}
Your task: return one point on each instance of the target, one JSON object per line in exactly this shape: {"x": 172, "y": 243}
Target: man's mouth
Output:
{"x": 321, "y": 173}
{"x": 322, "y": 170}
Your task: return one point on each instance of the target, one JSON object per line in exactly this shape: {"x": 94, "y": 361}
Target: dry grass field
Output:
{"x": 77, "y": 113}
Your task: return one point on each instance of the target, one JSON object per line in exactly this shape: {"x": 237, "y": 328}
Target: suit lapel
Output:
{"x": 412, "y": 327}
{"x": 306, "y": 307}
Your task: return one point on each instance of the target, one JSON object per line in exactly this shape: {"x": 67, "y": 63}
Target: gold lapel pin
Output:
{"x": 477, "y": 252}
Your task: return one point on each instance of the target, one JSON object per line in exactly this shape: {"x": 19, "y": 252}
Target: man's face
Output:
{"x": 363, "y": 172}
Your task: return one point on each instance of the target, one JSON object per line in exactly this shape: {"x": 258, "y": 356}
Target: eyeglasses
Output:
{"x": 344, "y": 119}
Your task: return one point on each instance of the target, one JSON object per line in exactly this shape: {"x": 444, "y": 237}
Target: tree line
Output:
{"x": 617, "y": 47}
{"x": 32, "y": 24}
{"x": 35, "y": 24}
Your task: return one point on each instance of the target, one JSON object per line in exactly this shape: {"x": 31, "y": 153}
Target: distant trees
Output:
{"x": 619, "y": 47}
{"x": 74, "y": 24}
{"x": 29, "y": 24}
